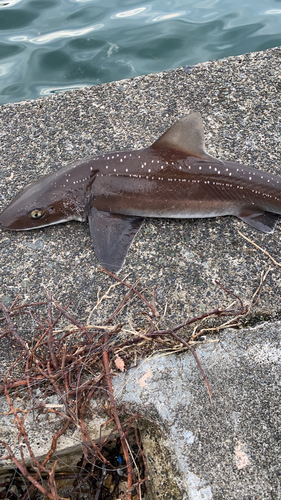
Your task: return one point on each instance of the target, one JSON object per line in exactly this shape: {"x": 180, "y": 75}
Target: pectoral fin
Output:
{"x": 263, "y": 221}
{"x": 112, "y": 235}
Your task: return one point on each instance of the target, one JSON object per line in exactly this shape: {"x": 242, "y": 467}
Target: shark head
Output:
{"x": 42, "y": 203}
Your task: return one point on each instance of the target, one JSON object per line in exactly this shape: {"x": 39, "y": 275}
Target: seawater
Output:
{"x": 48, "y": 46}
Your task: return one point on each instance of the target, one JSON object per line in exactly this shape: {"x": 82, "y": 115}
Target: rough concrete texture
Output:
{"x": 227, "y": 450}
{"x": 239, "y": 99}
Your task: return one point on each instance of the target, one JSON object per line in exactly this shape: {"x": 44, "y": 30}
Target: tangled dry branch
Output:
{"x": 76, "y": 362}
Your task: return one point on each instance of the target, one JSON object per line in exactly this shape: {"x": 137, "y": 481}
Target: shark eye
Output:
{"x": 36, "y": 213}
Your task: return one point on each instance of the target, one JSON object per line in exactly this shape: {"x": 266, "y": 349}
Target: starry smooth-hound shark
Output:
{"x": 175, "y": 177}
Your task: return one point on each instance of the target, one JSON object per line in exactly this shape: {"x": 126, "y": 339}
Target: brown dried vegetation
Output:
{"x": 76, "y": 362}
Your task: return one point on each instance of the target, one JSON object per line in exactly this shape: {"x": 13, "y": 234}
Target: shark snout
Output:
{"x": 2, "y": 225}
{"x": 1, "y": 222}
{"x": 6, "y": 219}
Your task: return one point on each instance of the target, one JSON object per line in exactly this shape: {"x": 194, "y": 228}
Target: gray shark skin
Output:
{"x": 175, "y": 178}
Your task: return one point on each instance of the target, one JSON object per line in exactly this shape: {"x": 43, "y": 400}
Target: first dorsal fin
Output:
{"x": 187, "y": 135}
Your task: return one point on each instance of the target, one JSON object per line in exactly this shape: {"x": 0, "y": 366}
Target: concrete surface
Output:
{"x": 239, "y": 99}
{"x": 228, "y": 450}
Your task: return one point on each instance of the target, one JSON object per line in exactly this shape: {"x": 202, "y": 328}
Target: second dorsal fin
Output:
{"x": 186, "y": 135}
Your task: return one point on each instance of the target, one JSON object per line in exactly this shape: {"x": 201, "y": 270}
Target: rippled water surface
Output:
{"x": 51, "y": 45}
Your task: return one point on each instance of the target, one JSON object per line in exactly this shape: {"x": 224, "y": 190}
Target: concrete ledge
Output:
{"x": 239, "y": 99}
{"x": 230, "y": 449}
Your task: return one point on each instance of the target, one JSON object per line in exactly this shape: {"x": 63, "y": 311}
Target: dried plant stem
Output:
{"x": 260, "y": 248}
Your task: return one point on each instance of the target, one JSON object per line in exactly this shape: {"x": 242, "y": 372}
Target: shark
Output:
{"x": 175, "y": 177}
